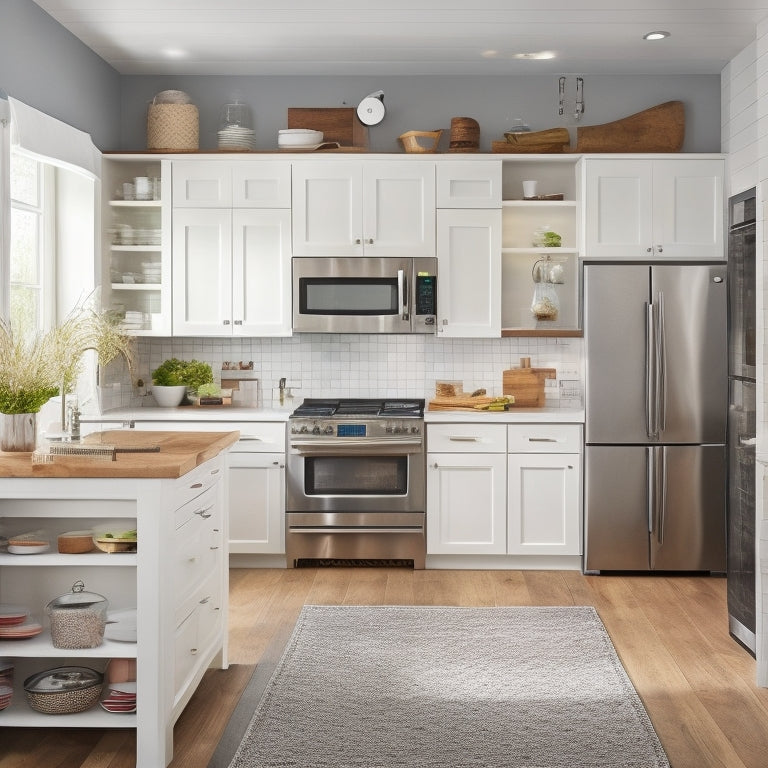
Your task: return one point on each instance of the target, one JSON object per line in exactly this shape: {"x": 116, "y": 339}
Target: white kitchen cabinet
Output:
{"x": 136, "y": 244}
{"x": 177, "y": 581}
{"x": 227, "y": 184}
{"x": 466, "y": 489}
{"x": 368, "y": 208}
{"x": 469, "y": 272}
{"x": 471, "y": 184}
{"x": 660, "y": 208}
{"x": 544, "y": 489}
{"x": 231, "y": 272}
{"x": 256, "y": 474}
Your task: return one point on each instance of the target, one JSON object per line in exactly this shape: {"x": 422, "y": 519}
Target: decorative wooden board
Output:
{"x": 658, "y": 129}
{"x": 526, "y": 385}
{"x": 337, "y": 124}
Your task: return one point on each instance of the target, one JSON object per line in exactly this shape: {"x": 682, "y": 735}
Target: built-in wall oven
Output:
{"x": 360, "y": 294}
{"x": 356, "y": 486}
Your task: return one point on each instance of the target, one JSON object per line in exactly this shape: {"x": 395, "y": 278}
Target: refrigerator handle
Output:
{"x": 661, "y": 496}
{"x": 650, "y": 414}
{"x": 650, "y": 478}
{"x": 661, "y": 368}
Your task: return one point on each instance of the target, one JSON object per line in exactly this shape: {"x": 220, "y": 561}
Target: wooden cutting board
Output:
{"x": 337, "y": 124}
{"x": 526, "y": 384}
{"x": 658, "y": 129}
{"x": 459, "y": 403}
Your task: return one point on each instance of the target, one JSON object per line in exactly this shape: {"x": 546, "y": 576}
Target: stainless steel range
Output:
{"x": 356, "y": 482}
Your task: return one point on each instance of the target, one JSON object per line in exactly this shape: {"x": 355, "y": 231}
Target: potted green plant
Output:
{"x": 173, "y": 379}
{"x": 36, "y": 367}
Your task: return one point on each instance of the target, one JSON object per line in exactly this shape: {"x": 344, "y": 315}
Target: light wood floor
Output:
{"x": 670, "y": 633}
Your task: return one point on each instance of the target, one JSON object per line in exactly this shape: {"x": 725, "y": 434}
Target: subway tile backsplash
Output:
{"x": 375, "y": 365}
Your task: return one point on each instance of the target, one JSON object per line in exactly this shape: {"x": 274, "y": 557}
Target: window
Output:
{"x": 31, "y": 262}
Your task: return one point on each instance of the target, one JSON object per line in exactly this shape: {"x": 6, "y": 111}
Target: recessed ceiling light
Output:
{"x": 535, "y": 55}
{"x": 174, "y": 53}
{"x": 660, "y": 35}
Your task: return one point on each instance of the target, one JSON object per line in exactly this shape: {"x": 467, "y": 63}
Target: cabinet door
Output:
{"x": 688, "y": 209}
{"x": 618, "y": 209}
{"x": 202, "y": 272}
{"x": 327, "y": 209}
{"x": 399, "y": 209}
{"x": 466, "y": 504}
{"x": 259, "y": 184}
{"x": 202, "y": 183}
{"x": 469, "y": 272}
{"x": 469, "y": 184}
{"x": 261, "y": 272}
{"x": 544, "y": 504}
{"x": 256, "y": 503}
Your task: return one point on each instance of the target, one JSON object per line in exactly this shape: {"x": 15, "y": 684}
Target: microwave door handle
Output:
{"x": 402, "y": 292}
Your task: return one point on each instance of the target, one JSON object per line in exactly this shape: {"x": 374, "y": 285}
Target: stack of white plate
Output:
{"x": 151, "y": 271}
{"x": 134, "y": 321}
{"x": 298, "y": 138}
{"x": 236, "y": 137}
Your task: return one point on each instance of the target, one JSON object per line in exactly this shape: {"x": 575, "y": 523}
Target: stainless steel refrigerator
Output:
{"x": 741, "y": 418}
{"x": 656, "y": 400}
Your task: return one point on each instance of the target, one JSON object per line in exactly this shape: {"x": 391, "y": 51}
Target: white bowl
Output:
{"x": 168, "y": 397}
{"x": 299, "y": 137}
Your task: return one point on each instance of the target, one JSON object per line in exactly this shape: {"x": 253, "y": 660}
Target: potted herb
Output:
{"x": 174, "y": 378}
{"x": 34, "y": 368}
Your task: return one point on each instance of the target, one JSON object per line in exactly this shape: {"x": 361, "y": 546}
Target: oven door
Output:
{"x": 356, "y": 475}
{"x": 351, "y": 295}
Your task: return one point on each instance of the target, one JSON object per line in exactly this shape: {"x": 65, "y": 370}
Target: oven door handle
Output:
{"x": 340, "y": 445}
{"x": 360, "y": 529}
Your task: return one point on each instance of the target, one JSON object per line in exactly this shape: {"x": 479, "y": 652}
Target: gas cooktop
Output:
{"x": 325, "y": 408}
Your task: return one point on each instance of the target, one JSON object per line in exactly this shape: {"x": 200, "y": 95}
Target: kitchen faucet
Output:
{"x": 281, "y": 386}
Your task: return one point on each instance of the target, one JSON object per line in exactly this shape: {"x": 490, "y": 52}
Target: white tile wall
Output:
{"x": 346, "y": 365}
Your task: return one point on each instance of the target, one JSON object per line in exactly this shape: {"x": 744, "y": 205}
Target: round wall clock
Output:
{"x": 371, "y": 111}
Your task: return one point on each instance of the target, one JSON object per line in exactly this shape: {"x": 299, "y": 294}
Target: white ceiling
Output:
{"x": 402, "y": 37}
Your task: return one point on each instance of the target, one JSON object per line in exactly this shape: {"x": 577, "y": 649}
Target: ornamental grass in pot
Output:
{"x": 36, "y": 367}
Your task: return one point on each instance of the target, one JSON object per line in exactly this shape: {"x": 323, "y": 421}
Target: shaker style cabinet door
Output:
{"x": 202, "y": 272}
{"x": 469, "y": 273}
{"x": 466, "y": 503}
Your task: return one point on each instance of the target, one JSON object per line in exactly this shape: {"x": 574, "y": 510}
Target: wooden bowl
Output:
{"x": 421, "y": 141}
{"x": 111, "y": 546}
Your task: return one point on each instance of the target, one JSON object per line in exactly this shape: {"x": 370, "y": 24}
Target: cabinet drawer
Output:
{"x": 199, "y": 480}
{"x": 466, "y": 438}
{"x": 469, "y": 185}
{"x": 544, "y": 438}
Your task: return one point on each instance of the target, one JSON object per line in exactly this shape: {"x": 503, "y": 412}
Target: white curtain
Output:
{"x": 52, "y": 141}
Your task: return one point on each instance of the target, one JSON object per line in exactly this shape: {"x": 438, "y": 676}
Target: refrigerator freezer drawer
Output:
{"x": 654, "y": 508}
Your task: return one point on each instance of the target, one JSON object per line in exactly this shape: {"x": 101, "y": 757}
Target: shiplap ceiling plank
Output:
{"x": 399, "y": 37}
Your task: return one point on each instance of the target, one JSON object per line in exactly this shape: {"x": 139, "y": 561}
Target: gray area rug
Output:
{"x": 444, "y": 687}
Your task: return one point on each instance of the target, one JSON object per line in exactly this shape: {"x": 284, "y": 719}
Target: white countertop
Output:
{"x": 512, "y": 416}
{"x": 281, "y": 413}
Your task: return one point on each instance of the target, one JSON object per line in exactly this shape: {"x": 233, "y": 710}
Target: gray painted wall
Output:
{"x": 45, "y": 66}
{"x": 429, "y": 102}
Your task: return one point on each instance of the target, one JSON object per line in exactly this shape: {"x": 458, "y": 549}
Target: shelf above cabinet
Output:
{"x": 538, "y": 203}
{"x": 136, "y": 203}
{"x": 41, "y": 647}
{"x": 136, "y": 248}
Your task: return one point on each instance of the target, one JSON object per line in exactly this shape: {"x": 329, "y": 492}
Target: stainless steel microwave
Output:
{"x": 360, "y": 294}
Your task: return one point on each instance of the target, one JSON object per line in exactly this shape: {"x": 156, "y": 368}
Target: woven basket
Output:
{"x": 173, "y": 127}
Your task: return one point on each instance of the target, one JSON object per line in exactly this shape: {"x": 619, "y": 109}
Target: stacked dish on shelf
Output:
{"x": 299, "y": 138}
{"x": 235, "y": 130}
{"x": 133, "y": 320}
{"x": 151, "y": 271}
{"x": 17, "y": 624}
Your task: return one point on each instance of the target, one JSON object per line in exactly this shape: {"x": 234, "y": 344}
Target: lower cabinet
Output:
{"x": 504, "y": 489}
{"x": 256, "y": 481}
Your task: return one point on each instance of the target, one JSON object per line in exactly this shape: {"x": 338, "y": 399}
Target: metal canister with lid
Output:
{"x": 78, "y": 618}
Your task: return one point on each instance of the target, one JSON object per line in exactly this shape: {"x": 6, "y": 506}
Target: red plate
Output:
{"x": 20, "y": 631}
{"x": 10, "y": 615}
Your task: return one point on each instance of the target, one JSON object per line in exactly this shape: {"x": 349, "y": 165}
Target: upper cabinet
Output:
{"x": 231, "y": 249}
{"x": 369, "y": 208}
{"x": 654, "y": 208}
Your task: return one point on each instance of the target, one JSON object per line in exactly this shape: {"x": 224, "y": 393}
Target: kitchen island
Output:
{"x": 174, "y": 496}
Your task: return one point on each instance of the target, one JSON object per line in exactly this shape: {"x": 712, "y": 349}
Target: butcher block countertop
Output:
{"x": 180, "y": 452}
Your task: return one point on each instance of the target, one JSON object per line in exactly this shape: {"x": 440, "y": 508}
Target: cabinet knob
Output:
{"x": 649, "y": 250}
{"x": 369, "y": 241}
{"x": 226, "y": 322}
{"x": 660, "y": 248}
{"x": 358, "y": 241}
{"x": 238, "y": 322}
{"x": 435, "y": 466}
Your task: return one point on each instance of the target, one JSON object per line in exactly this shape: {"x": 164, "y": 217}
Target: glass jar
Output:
{"x": 545, "y": 237}
{"x": 77, "y": 618}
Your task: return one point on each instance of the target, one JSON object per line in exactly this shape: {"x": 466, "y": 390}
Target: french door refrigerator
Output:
{"x": 656, "y": 400}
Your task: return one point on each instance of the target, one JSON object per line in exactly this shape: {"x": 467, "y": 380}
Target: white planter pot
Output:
{"x": 168, "y": 397}
{"x": 18, "y": 431}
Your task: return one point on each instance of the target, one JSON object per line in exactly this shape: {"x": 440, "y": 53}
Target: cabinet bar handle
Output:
{"x": 464, "y": 439}
{"x": 196, "y": 485}
{"x": 543, "y": 440}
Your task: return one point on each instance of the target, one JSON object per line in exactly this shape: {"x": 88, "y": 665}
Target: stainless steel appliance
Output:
{"x": 356, "y": 482}
{"x": 741, "y": 418}
{"x": 364, "y": 295}
{"x": 656, "y": 396}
